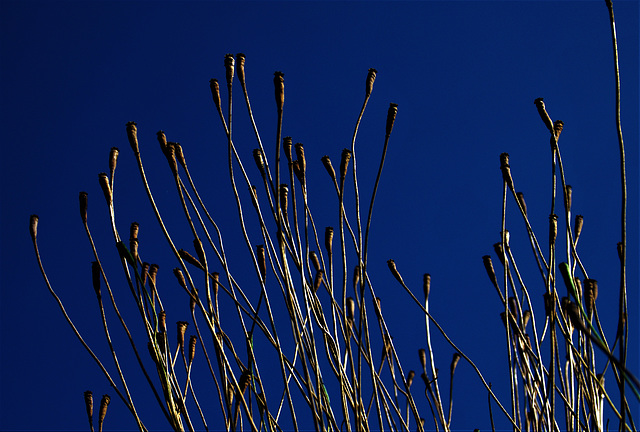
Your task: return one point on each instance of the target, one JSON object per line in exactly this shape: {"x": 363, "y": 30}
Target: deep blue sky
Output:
{"x": 464, "y": 75}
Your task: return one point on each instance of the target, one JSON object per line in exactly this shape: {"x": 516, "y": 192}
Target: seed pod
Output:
{"x": 162, "y": 321}
{"x": 378, "y": 308}
{"x": 391, "y": 117}
{"x": 240, "y": 59}
{"x": 278, "y": 83}
{"x": 153, "y": 272}
{"x": 575, "y": 318}
{"x": 262, "y": 262}
{"x": 215, "y": 93}
{"x": 144, "y": 273}
{"x": 394, "y": 271}
{"x": 88, "y": 403}
{"x": 513, "y": 306}
{"x": 344, "y": 165}
{"x": 134, "y": 229}
{"x": 351, "y": 308}
{"x": 162, "y": 140}
{"x": 506, "y": 169}
{"x": 503, "y": 318}
{"x": 190, "y": 258}
{"x": 132, "y": 135}
{"x": 284, "y": 198}
{"x": 182, "y": 328}
{"x": 243, "y": 383}
{"x": 258, "y": 157}
{"x": 578, "y": 284}
{"x": 103, "y": 179}
{"x": 170, "y": 154}
{"x": 567, "y": 197}
{"x": 180, "y": 155}
{"x": 371, "y": 77}
{"x": 298, "y": 172}
{"x": 410, "y": 376}
{"x": 302, "y": 162}
{"x": 542, "y": 112}
{"x": 553, "y": 229}
{"x": 192, "y": 347}
{"x": 229, "y": 65}
{"x": 83, "y": 199}
{"x": 422, "y": 354}
{"x": 497, "y": 248}
{"x": 558, "y": 125}
{"x": 523, "y": 204}
{"x": 33, "y": 227}
{"x": 577, "y": 227}
{"x": 215, "y": 278}
{"x": 133, "y": 240}
{"x": 318, "y": 280}
{"x": 356, "y": 278}
{"x": 454, "y": 362}
{"x": 328, "y": 238}
{"x": 328, "y": 166}
{"x": 113, "y": 160}
{"x": 95, "y": 277}
{"x": 426, "y": 285}
{"x": 526, "y": 316}
{"x": 104, "y": 403}
{"x": 178, "y": 274}
{"x": 488, "y": 266}
{"x": 287, "y": 146}
{"x": 197, "y": 244}
{"x": 314, "y": 260}
{"x": 590, "y": 295}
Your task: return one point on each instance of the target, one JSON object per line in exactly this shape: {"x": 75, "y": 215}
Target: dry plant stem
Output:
{"x": 391, "y": 115}
{"x": 232, "y": 148}
{"x": 163, "y": 371}
{"x": 357, "y": 202}
{"x": 141, "y": 427}
{"x": 255, "y": 128}
{"x": 220, "y": 398}
{"x": 434, "y": 373}
{"x": 239, "y": 206}
{"x": 503, "y": 234}
{"x": 541, "y": 371}
{"x": 464, "y": 356}
{"x": 623, "y": 328}
{"x": 113, "y": 352}
{"x": 551, "y": 291}
{"x": 122, "y": 322}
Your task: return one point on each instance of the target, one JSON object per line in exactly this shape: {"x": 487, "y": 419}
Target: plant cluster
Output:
{"x": 330, "y": 376}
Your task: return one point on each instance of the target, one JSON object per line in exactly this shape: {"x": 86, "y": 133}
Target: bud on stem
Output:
{"x": 83, "y": 199}
{"x": 132, "y": 135}
{"x": 371, "y": 77}
{"x": 391, "y": 117}
{"x": 278, "y": 83}
{"x": 328, "y": 239}
{"x": 543, "y": 114}
{"x": 104, "y": 403}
